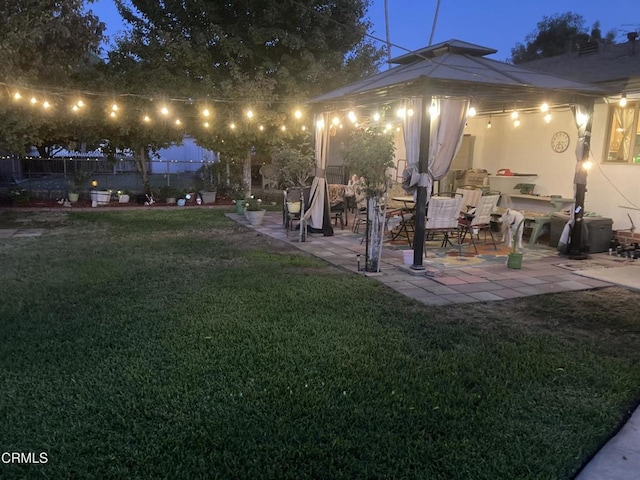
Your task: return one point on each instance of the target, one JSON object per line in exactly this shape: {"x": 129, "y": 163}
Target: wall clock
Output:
{"x": 560, "y": 141}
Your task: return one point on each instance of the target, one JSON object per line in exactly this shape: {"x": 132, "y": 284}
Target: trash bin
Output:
{"x": 599, "y": 231}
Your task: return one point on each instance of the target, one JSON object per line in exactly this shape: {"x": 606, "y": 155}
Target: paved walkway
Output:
{"x": 543, "y": 270}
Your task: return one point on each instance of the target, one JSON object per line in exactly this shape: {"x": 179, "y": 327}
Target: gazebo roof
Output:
{"x": 458, "y": 68}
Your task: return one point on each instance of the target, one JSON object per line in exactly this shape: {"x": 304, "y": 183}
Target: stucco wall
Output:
{"x": 527, "y": 149}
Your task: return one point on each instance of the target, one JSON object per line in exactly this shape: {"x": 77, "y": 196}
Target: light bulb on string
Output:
{"x": 17, "y": 96}
{"x": 283, "y": 128}
{"x": 489, "y": 123}
{"x": 472, "y": 112}
{"x": 544, "y": 107}
{"x": 206, "y": 112}
{"x": 146, "y": 119}
{"x": 623, "y": 100}
{"x": 516, "y": 122}
{"x": 547, "y": 118}
{"x": 46, "y": 105}
{"x": 164, "y": 111}
{"x": 250, "y": 114}
{"x": 352, "y": 117}
{"x": 297, "y": 114}
{"x": 33, "y": 100}
{"x": 376, "y": 117}
{"x": 206, "y": 125}
{"x": 514, "y": 115}
{"x": 261, "y": 128}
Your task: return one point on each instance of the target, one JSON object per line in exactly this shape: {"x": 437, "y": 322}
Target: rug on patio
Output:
{"x": 451, "y": 258}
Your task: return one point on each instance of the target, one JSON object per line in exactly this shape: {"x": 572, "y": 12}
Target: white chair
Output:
{"x": 269, "y": 176}
{"x": 443, "y": 214}
{"x": 470, "y": 197}
{"x": 479, "y": 219}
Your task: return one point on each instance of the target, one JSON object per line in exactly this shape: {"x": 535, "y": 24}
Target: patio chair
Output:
{"x": 443, "y": 214}
{"x": 338, "y": 204}
{"x": 269, "y": 176}
{"x": 470, "y": 198}
{"x": 479, "y": 219}
{"x": 295, "y": 201}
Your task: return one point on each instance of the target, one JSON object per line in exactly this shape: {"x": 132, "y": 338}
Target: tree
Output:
{"x": 555, "y": 35}
{"x": 262, "y": 55}
{"x": 44, "y": 44}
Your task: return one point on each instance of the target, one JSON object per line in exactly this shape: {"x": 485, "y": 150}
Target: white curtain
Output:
{"x": 315, "y": 212}
{"x": 448, "y": 118}
{"x": 582, "y": 115}
{"x": 411, "y": 131}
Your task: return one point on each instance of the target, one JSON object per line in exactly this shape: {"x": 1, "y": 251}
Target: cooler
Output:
{"x": 599, "y": 231}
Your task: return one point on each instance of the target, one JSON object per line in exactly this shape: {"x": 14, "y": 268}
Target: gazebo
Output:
{"x": 437, "y": 87}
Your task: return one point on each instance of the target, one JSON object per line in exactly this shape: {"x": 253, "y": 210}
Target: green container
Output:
{"x": 240, "y": 206}
{"x": 514, "y": 260}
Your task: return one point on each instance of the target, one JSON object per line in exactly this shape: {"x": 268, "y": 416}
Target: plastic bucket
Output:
{"x": 407, "y": 257}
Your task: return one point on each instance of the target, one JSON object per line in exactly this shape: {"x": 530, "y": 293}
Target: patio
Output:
{"x": 449, "y": 279}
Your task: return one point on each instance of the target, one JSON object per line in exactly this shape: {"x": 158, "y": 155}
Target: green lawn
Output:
{"x": 180, "y": 345}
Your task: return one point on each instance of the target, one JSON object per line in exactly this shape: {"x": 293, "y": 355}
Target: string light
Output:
{"x": 544, "y": 107}
{"x": 516, "y": 122}
{"x": 376, "y": 117}
{"x": 514, "y": 115}
{"x": 33, "y": 100}
{"x": 17, "y": 96}
{"x": 146, "y": 119}
{"x": 623, "y": 100}
{"x": 250, "y": 114}
{"x": 489, "y": 122}
{"x": 472, "y": 112}
{"x": 297, "y": 114}
{"x": 352, "y": 117}
{"x": 46, "y": 104}
{"x": 164, "y": 111}
{"x": 547, "y": 118}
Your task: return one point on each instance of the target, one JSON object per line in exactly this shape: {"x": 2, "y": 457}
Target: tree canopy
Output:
{"x": 555, "y": 35}
{"x": 46, "y": 46}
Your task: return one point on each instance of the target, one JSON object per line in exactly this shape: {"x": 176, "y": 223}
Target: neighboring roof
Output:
{"x": 609, "y": 65}
{"x": 458, "y": 68}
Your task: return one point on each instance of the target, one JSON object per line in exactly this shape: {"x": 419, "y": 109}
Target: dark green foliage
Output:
{"x": 555, "y": 35}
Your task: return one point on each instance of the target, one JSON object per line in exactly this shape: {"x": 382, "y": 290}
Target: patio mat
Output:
{"x": 450, "y": 258}
{"x": 581, "y": 265}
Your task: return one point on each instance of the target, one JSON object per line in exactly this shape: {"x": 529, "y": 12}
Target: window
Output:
{"x": 624, "y": 135}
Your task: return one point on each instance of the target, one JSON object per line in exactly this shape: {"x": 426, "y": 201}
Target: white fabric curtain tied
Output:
{"x": 315, "y": 212}
{"x": 411, "y": 131}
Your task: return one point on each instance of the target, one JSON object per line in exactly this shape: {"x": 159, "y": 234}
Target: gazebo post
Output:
{"x": 576, "y": 251}
{"x": 421, "y": 200}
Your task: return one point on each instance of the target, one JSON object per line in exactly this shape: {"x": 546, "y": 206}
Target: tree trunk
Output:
{"x": 246, "y": 175}
{"x": 141, "y": 166}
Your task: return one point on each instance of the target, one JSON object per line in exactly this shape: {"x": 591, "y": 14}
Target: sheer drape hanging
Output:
{"x": 315, "y": 213}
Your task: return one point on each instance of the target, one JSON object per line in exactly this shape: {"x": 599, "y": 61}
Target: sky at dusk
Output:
{"x": 498, "y": 24}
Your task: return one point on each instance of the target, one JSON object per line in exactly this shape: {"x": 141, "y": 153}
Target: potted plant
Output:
{"x": 123, "y": 196}
{"x": 254, "y": 211}
{"x": 514, "y": 259}
{"x": 79, "y": 179}
{"x": 169, "y": 194}
{"x": 205, "y": 184}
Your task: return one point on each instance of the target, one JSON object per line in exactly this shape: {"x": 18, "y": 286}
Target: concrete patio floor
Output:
{"x": 481, "y": 282}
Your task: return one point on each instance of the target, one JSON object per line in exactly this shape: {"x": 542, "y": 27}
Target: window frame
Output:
{"x": 633, "y": 157}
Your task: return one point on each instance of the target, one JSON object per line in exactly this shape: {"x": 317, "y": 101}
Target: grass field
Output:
{"x": 180, "y": 345}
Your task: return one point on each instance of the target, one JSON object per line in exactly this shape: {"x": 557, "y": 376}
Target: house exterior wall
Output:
{"x": 527, "y": 149}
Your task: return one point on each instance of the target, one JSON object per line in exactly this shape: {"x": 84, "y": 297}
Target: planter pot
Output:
{"x": 255, "y": 217}
{"x": 240, "y": 207}
{"x": 123, "y": 199}
{"x": 101, "y": 197}
{"x": 170, "y": 201}
{"x": 73, "y": 197}
{"x": 208, "y": 197}
{"x": 514, "y": 260}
